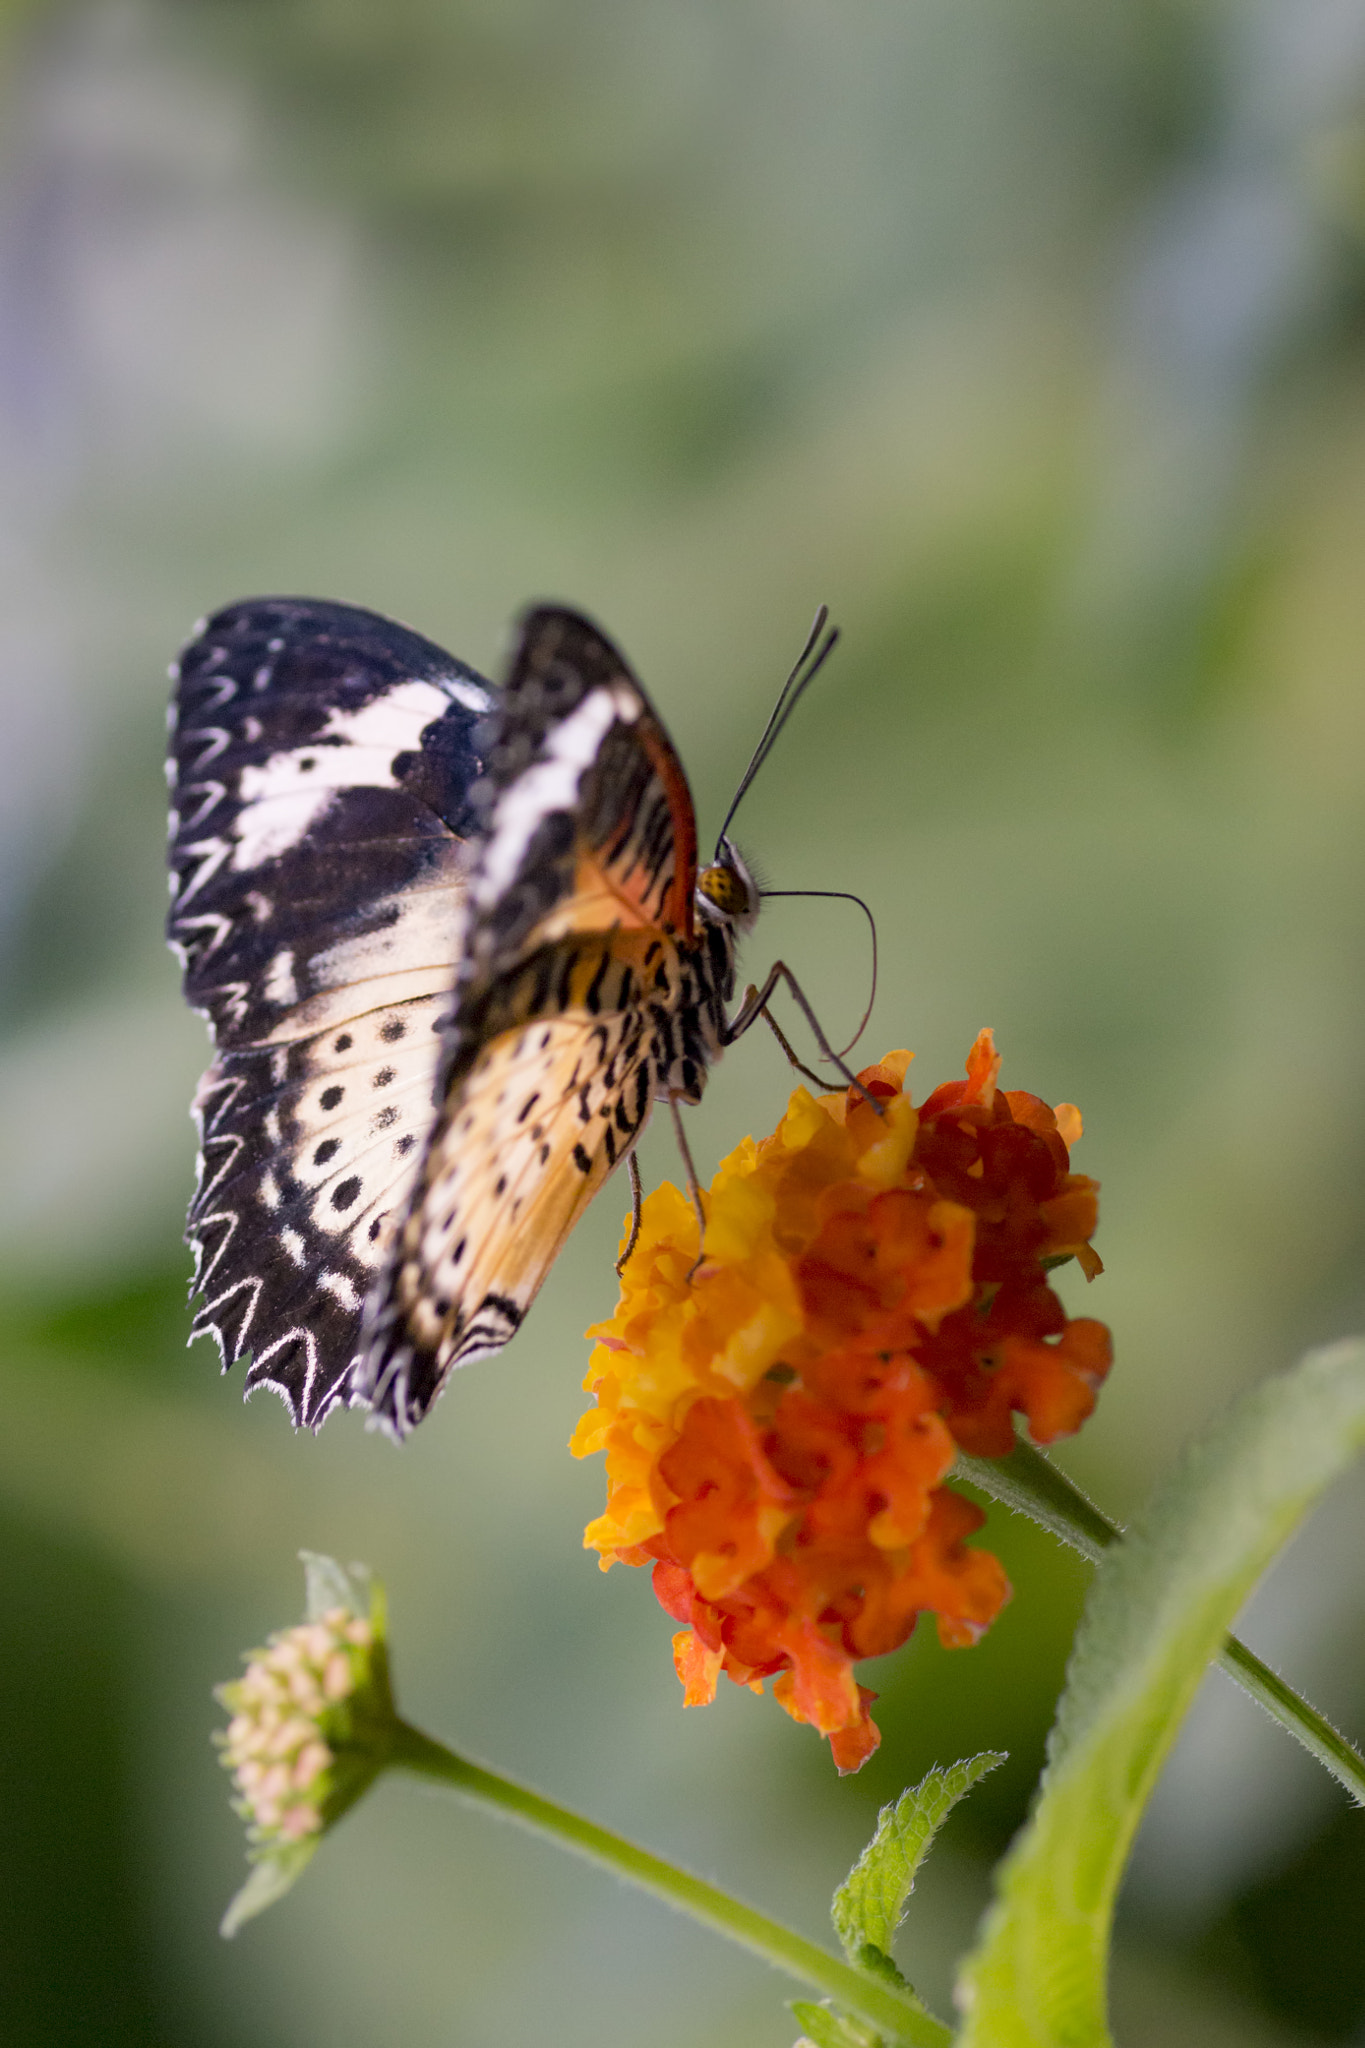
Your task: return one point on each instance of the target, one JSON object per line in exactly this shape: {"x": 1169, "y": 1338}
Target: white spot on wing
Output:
{"x": 210, "y": 794}
{"x": 282, "y": 799}
{"x": 551, "y": 784}
{"x": 392, "y": 722}
{"x": 276, "y": 816}
{"x": 280, "y": 985}
{"x": 417, "y": 929}
{"x": 468, "y": 694}
{"x": 210, "y": 740}
{"x": 344, "y": 1290}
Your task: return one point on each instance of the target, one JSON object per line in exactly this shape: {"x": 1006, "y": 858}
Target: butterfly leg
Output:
{"x": 693, "y": 1185}
{"x": 755, "y": 1004}
{"x": 788, "y": 1048}
{"x": 635, "y": 1198}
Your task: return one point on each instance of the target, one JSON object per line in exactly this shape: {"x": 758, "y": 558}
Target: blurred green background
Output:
{"x": 1030, "y": 335}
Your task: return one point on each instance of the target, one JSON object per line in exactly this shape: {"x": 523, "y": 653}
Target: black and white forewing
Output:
{"x": 321, "y": 769}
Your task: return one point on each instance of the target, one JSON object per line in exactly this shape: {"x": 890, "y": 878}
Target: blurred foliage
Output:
{"x": 1029, "y": 336}
{"x": 68, "y": 1799}
{"x": 1278, "y": 1932}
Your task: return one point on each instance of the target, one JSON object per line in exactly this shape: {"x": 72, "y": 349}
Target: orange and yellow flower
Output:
{"x": 778, "y": 1423}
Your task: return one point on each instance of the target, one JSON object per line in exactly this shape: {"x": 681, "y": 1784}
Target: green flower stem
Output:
{"x": 1032, "y": 1485}
{"x": 873, "y": 2000}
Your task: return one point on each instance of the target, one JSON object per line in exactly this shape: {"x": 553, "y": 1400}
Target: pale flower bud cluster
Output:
{"x": 283, "y": 1709}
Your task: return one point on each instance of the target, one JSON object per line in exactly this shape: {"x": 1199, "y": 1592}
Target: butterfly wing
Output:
{"x": 581, "y": 907}
{"x": 322, "y": 762}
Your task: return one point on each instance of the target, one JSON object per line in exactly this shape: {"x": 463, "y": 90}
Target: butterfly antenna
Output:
{"x": 843, "y": 896}
{"x": 811, "y": 660}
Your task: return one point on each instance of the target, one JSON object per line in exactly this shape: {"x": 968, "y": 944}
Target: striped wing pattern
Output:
{"x": 322, "y": 763}
{"x": 549, "y": 1106}
{"x": 445, "y": 939}
{"x": 578, "y": 979}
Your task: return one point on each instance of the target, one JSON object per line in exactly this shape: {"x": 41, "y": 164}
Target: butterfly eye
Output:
{"x": 724, "y": 889}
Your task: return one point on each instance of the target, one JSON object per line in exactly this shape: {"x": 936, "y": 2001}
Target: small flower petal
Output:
{"x": 697, "y": 1667}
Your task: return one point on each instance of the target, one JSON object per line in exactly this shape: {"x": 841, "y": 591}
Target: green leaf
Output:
{"x": 1156, "y": 1616}
{"x": 1027, "y": 1482}
{"x": 269, "y": 1880}
{"x": 826, "y": 2028}
{"x": 869, "y": 1904}
{"x": 328, "y": 1586}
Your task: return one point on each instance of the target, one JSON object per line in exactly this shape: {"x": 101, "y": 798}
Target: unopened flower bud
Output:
{"x": 312, "y": 1727}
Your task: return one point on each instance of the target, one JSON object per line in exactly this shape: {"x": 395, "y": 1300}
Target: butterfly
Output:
{"x": 452, "y": 943}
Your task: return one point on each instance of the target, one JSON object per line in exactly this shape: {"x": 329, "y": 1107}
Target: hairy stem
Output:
{"x": 1029, "y": 1483}
{"x": 874, "y": 2001}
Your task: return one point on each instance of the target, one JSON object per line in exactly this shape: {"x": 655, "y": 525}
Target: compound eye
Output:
{"x": 721, "y": 886}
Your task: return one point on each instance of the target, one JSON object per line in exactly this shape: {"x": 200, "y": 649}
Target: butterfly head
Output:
{"x": 727, "y": 893}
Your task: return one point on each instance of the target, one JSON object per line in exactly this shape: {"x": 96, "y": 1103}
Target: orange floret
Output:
{"x": 778, "y": 1424}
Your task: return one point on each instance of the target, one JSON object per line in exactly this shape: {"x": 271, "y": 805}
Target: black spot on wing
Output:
{"x": 258, "y": 1259}
{"x": 288, "y": 1216}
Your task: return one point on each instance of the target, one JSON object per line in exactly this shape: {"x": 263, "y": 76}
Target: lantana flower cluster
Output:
{"x": 779, "y": 1420}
